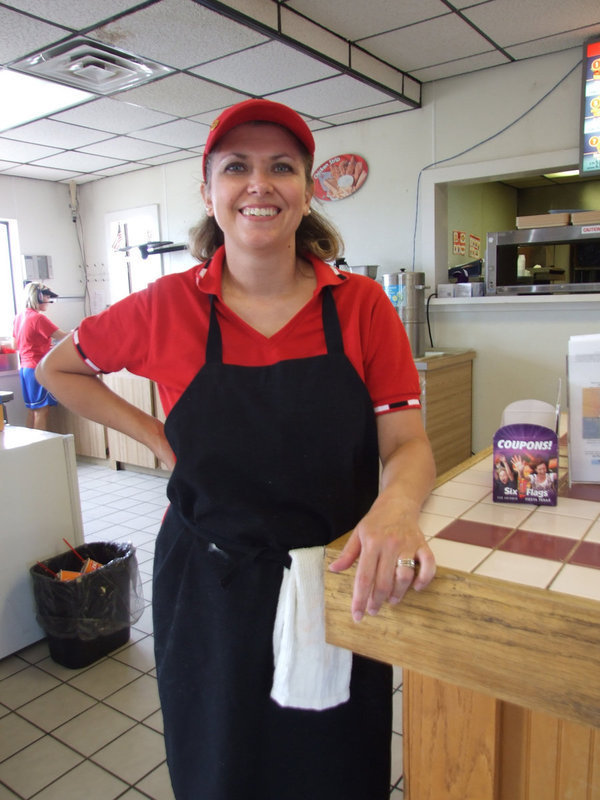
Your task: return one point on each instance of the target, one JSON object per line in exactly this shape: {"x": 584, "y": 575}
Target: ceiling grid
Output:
{"x": 152, "y": 75}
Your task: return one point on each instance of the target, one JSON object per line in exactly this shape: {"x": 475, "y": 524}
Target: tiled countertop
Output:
{"x": 550, "y": 547}
{"x": 513, "y": 611}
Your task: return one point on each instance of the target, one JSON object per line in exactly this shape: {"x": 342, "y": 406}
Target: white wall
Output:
{"x": 45, "y": 227}
{"x": 378, "y": 222}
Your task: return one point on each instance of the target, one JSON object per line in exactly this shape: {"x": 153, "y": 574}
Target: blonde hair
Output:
{"x": 32, "y": 294}
{"x": 315, "y": 234}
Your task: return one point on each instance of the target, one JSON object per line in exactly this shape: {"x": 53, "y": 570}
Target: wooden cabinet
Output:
{"x": 96, "y": 441}
{"x": 446, "y": 388}
{"x": 90, "y": 437}
{"x": 140, "y": 393}
{"x": 446, "y": 397}
{"x": 461, "y": 744}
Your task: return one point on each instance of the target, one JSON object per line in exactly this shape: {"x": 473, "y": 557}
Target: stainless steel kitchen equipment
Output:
{"x": 412, "y": 309}
{"x": 558, "y": 260}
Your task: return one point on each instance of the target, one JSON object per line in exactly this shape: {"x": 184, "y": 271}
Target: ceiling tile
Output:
{"x": 40, "y": 173}
{"x": 178, "y": 33}
{"x": 510, "y": 22}
{"x": 179, "y": 155}
{"x": 330, "y": 96}
{"x": 59, "y": 133}
{"x": 82, "y": 177}
{"x": 11, "y": 150}
{"x": 165, "y": 120}
{"x": 77, "y": 15}
{"x": 461, "y": 66}
{"x": 359, "y": 114}
{"x": 22, "y": 35}
{"x": 106, "y": 172}
{"x": 124, "y": 148}
{"x": 208, "y": 117}
{"x": 77, "y": 162}
{"x": 365, "y": 19}
{"x": 180, "y": 133}
{"x": 114, "y": 116}
{"x": 551, "y": 44}
{"x": 267, "y": 68}
{"x": 182, "y": 95}
{"x": 421, "y": 45}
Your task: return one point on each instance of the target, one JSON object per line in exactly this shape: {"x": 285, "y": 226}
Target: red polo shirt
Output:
{"x": 160, "y": 333}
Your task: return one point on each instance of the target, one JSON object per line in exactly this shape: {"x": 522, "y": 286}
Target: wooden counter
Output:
{"x": 446, "y": 389}
{"x": 501, "y": 683}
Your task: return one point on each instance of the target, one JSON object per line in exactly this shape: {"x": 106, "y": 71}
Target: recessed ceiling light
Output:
{"x": 92, "y": 66}
{"x": 569, "y": 173}
{"x": 25, "y": 98}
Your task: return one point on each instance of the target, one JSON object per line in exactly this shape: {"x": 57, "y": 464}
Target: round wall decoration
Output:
{"x": 340, "y": 176}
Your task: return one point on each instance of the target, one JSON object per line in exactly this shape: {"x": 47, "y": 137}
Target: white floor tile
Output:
{"x": 33, "y": 768}
{"x": 86, "y": 780}
{"x": 134, "y": 755}
{"x": 24, "y": 686}
{"x": 158, "y": 784}
{"x": 56, "y": 707}
{"x": 106, "y": 677}
{"x": 105, "y": 718}
{"x": 15, "y": 734}
{"x": 138, "y": 699}
{"x": 93, "y": 730}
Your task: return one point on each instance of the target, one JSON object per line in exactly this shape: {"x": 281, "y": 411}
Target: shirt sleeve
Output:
{"x": 391, "y": 375}
{"x": 118, "y": 337}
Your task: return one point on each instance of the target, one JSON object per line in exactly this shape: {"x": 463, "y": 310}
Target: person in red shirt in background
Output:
{"x": 34, "y": 335}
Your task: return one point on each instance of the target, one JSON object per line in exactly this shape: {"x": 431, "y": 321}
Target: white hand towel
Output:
{"x": 309, "y": 672}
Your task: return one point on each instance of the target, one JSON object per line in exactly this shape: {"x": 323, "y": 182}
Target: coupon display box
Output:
{"x": 525, "y": 464}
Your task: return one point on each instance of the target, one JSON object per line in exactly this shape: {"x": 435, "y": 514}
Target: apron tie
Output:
{"x": 249, "y": 557}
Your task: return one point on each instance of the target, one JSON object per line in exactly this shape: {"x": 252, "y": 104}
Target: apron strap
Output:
{"x": 214, "y": 344}
{"x": 331, "y": 324}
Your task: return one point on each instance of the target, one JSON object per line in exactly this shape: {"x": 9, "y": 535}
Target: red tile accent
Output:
{"x": 587, "y": 555}
{"x": 582, "y": 491}
{"x": 539, "y": 545}
{"x": 469, "y": 532}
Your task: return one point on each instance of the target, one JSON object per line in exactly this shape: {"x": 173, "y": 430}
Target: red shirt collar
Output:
{"x": 208, "y": 274}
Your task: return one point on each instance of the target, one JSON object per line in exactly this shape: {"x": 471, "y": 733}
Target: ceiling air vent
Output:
{"x": 92, "y": 66}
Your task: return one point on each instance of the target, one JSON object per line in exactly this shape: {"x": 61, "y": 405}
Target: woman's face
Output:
{"x": 257, "y": 188}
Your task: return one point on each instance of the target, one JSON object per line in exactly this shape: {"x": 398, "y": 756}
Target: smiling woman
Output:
{"x": 285, "y": 382}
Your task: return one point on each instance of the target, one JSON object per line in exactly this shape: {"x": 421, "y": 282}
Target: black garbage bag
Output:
{"x": 88, "y": 617}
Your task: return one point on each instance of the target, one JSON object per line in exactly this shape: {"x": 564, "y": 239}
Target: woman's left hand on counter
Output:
{"x": 390, "y": 529}
{"x": 378, "y": 544}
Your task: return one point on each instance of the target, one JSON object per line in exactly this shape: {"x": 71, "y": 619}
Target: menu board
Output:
{"x": 590, "y": 109}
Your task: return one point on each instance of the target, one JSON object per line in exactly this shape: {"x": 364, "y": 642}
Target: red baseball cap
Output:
{"x": 258, "y": 110}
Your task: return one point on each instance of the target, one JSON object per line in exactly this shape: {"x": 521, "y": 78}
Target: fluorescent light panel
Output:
{"x": 25, "y": 98}
{"x": 569, "y": 173}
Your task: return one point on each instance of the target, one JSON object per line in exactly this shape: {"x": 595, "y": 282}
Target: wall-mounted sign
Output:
{"x": 474, "y": 246}
{"x": 459, "y": 243}
{"x": 590, "y": 109}
{"x": 340, "y": 177}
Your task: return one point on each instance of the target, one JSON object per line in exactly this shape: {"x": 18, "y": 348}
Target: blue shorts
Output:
{"x": 34, "y": 395}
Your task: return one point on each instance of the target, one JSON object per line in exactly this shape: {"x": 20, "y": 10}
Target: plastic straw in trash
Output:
{"x": 73, "y": 549}
{"x": 43, "y": 566}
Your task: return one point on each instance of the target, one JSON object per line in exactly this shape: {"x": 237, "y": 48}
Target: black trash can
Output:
{"x": 86, "y": 618}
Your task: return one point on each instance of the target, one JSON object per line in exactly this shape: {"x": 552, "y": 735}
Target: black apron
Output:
{"x": 268, "y": 459}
